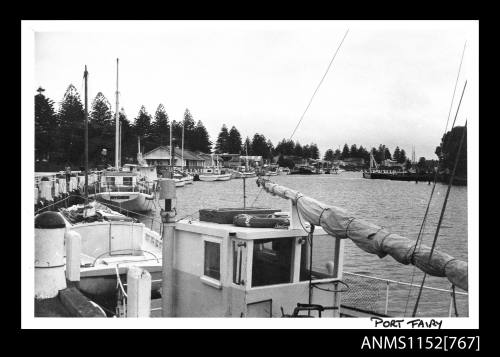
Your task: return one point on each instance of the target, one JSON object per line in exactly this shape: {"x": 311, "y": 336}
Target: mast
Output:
{"x": 182, "y": 149}
{"x": 117, "y": 124}
{"x": 171, "y": 163}
{"x": 246, "y": 156}
{"x": 86, "y": 138}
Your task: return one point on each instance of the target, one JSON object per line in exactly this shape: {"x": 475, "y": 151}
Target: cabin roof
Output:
{"x": 246, "y": 233}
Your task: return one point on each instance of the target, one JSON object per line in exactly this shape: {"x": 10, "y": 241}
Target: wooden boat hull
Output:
{"x": 130, "y": 201}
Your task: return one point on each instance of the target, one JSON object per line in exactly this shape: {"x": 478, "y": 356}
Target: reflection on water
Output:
{"x": 397, "y": 205}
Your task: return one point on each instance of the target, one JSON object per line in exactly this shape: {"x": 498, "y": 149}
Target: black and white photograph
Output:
{"x": 323, "y": 173}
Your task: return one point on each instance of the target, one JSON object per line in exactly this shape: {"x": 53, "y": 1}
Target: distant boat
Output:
{"x": 214, "y": 173}
{"x": 125, "y": 190}
{"x": 283, "y": 171}
{"x": 303, "y": 170}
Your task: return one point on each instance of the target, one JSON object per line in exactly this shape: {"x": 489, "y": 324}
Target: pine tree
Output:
{"x": 160, "y": 128}
{"x": 71, "y": 119}
{"x": 201, "y": 139}
{"x": 306, "y": 152}
{"x": 337, "y": 154}
{"x": 129, "y": 141}
{"x": 402, "y": 157}
{"x": 221, "y": 145}
{"x": 380, "y": 153}
{"x": 270, "y": 149}
{"x": 314, "y": 151}
{"x": 387, "y": 154}
{"x": 297, "y": 149}
{"x": 285, "y": 147}
{"x": 189, "y": 127}
{"x": 363, "y": 153}
{"x": 234, "y": 141}
{"x": 259, "y": 146}
{"x": 102, "y": 128}
{"x": 353, "y": 151}
{"x": 447, "y": 151}
{"x": 46, "y": 127}
{"x": 345, "y": 152}
{"x": 397, "y": 154}
{"x": 142, "y": 128}
{"x": 329, "y": 155}
{"x": 246, "y": 148}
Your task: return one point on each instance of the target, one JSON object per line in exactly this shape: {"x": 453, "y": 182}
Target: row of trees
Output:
{"x": 59, "y": 134}
{"x": 230, "y": 141}
{"x": 380, "y": 154}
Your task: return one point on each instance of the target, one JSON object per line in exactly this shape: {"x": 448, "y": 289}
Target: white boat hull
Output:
{"x": 130, "y": 201}
{"x": 208, "y": 178}
{"x": 225, "y": 177}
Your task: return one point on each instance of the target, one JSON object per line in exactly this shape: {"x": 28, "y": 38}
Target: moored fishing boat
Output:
{"x": 125, "y": 190}
{"x": 110, "y": 243}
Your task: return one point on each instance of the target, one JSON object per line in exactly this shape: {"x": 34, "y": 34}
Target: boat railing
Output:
{"x": 394, "y": 298}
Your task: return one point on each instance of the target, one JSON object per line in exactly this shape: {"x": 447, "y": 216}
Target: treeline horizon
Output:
{"x": 59, "y": 136}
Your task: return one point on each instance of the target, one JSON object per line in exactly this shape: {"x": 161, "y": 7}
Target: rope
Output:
{"x": 298, "y": 215}
{"x": 119, "y": 282}
{"x": 321, "y": 81}
{"x": 347, "y": 227}
{"x": 321, "y": 215}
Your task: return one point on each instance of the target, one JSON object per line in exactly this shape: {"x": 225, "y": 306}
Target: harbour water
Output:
{"x": 398, "y": 206}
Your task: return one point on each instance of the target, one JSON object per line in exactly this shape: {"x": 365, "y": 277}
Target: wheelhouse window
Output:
{"x": 212, "y": 260}
{"x": 127, "y": 181}
{"x": 323, "y": 253}
{"x": 110, "y": 180}
{"x": 272, "y": 261}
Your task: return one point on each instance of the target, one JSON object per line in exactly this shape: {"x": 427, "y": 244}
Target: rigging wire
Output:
{"x": 441, "y": 216}
{"x": 319, "y": 84}
{"x": 421, "y": 232}
{"x": 454, "y": 89}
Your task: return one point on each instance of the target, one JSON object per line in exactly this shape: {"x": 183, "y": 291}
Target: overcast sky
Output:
{"x": 391, "y": 82}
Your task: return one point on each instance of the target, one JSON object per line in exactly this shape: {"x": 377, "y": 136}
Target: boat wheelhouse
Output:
{"x": 126, "y": 191}
{"x": 222, "y": 270}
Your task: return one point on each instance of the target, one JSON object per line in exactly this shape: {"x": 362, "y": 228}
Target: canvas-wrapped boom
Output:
{"x": 372, "y": 238}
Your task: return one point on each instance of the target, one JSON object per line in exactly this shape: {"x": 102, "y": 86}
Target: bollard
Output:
{"x": 138, "y": 292}
{"x": 73, "y": 242}
{"x": 167, "y": 192}
{"x": 49, "y": 255}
